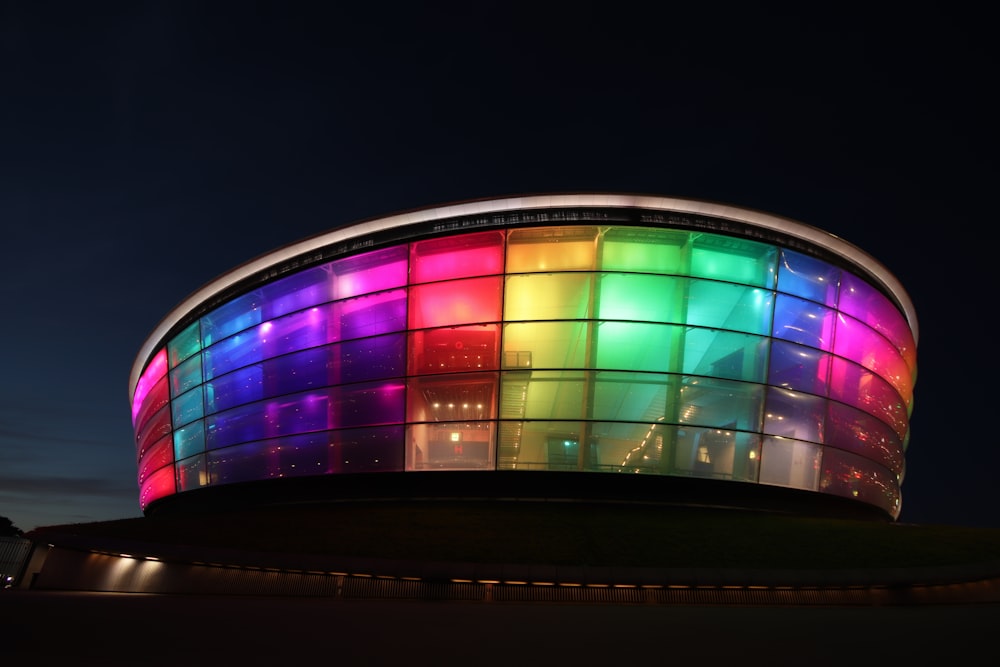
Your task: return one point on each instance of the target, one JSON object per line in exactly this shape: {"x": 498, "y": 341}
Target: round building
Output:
{"x": 567, "y": 347}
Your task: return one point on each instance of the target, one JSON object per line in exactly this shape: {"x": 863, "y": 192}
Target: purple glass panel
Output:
{"x": 368, "y": 404}
{"x": 304, "y": 289}
{"x": 245, "y": 385}
{"x": 808, "y": 278}
{"x": 798, "y": 367}
{"x": 863, "y": 345}
{"x": 851, "y": 476}
{"x": 368, "y": 316}
{"x": 298, "y": 413}
{"x": 794, "y": 415}
{"x": 803, "y": 322}
{"x": 368, "y": 359}
{"x": 856, "y": 431}
{"x": 859, "y": 387}
{"x": 370, "y": 272}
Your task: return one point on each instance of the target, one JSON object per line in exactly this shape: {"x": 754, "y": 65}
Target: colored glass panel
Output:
{"x": 641, "y": 298}
{"x": 725, "y": 354}
{"x": 794, "y": 415}
{"x": 857, "y": 342}
{"x": 863, "y": 302}
{"x": 638, "y": 346}
{"x": 455, "y": 302}
{"x": 851, "y": 476}
{"x": 156, "y": 369}
{"x": 192, "y": 473}
{"x": 547, "y": 344}
{"x": 856, "y": 431}
{"x": 155, "y": 399}
{"x": 160, "y": 454}
{"x": 461, "y": 256}
{"x": 645, "y": 250}
{"x": 472, "y": 348}
{"x": 232, "y": 317}
{"x": 370, "y": 272}
{"x": 859, "y": 387}
{"x": 298, "y": 291}
{"x": 189, "y": 440}
{"x": 185, "y": 344}
{"x": 188, "y": 407}
{"x": 157, "y": 427}
{"x": 450, "y": 446}
{"x": 803, "y": 322}
{"x": 790, "y": 463}
{"x": 185, "y": 376}
{"x": 808, "y": 277}
{"x": 542, "y": 249}
{"x": 734, "y": 260}
{"x": 551, "y": 296}
{"x": 159, "y": 484}
{"x": 798, "y": 368}
{"x": 727, "y": 306}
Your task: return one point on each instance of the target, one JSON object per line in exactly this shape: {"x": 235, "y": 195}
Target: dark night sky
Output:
{"x": 147, "y": 147}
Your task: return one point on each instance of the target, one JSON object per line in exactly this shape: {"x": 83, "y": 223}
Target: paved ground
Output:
{"x": 55, "y": 628}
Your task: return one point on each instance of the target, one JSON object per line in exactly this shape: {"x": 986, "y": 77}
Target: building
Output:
{"x": 558, "y": 346}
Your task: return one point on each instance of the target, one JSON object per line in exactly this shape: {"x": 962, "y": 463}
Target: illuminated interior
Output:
{"x": 609, "y": 348}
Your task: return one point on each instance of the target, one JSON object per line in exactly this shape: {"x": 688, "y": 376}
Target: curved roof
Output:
{"x": 787, "y": 226}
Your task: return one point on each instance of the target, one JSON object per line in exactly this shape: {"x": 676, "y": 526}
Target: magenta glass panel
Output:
{"x": 156, "y": 397}
{"x": 161, "y": 453}
{"x": 297, "y": 292}
{"x": 851, "y": 476}
{"x": 461, "y": 256}
{"x": 456, "y": 302}
{"x": 864, "y": 302}
{"x": 160, "y": 483}
{"x": 157, "y": 427}
{"x": 794, "y": 415}
{"x": 370, "y": 272}
{"x": 857, "y": 386}
{"x": 156, "y": 369}
{"x": 454, "y": 349}
{"x": 856, "y": 431}
{"x": 803, "y": 322}
{"x": 798, "y": 367}
{"x": 808, "y": 277}
{"x": 860, "y": 344}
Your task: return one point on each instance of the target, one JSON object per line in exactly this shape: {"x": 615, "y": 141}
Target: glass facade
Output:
{"x": 590, "y": 348}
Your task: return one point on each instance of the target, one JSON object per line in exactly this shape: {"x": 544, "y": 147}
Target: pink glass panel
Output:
{"x": 160, "y": 483}
{"x": 370, "y": 272}
{"x": 859, "y": 343}
{"x": 156, "y": 369}
{"x": 159, "y": 455}
{"x": 861, "y": 300}
{"x": 463, "y": 256}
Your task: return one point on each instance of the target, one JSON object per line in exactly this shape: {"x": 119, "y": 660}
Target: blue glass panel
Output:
{"x": 239, "y": 314}
{"x": 794, "y": 415}
{"x": 368, "y": 315}
{"x": 232, "y": 353}
{"x": 798, "y": 367}
{"x": 304, "y": 289}
{"x": 803, "y": 322}
{"x": 184, "y": 344}
{"x": 808, "y": 277}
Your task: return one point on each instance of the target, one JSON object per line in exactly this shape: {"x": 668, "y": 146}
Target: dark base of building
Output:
{"x": 513, "y": 486}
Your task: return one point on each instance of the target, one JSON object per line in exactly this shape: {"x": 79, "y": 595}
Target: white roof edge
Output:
{"x": 792, "y": 228}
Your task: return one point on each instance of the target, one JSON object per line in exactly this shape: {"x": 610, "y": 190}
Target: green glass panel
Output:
{"x": 729, "y": 306}
{"x": 645, "y": 250}
{"x": 546, "y": 344}
{"x": 550, "y": 296}
{"x": 725, "y": 354}
{"x": 629, "y": 397}
{"x": 637, "y": 346}
{"x": 736, "y": 260}
{"x": 719, "y": 404}
{"x": 184, "y": 344}
{"x": 641, "y": 298}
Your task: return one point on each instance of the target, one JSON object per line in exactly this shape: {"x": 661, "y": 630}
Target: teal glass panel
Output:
{"x": 542, "y": 249}
{"x": 790, "y": 463}
{"x": 189, "y": 440}
{"x": 184, "y": 344}
{"x": 725, "y": 354}
{"x": 794, "y": 415}
{"x": 728, "y": 306}
{"x": 851, "y": 476}
{"x": 734, "y": 260}
{"x": 804, "y": 322}
{"x": 550, "y": 296}
{"x": 546, "y": 344}
{"x": 230, "y": 318}
{"x": 642, "y": 298}
{"x": 639, "y": 346}
{"x": 808, "y": 277}
{"x": 645, "y": 250}
{"x": 717, "y": 403}
{"x": 185, "y": 376}
{"x": 187, "y": 407}
{"x": 460, "y": 256}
